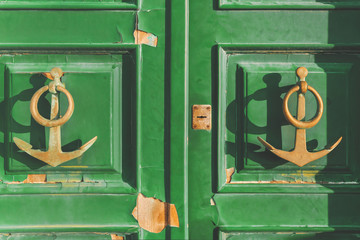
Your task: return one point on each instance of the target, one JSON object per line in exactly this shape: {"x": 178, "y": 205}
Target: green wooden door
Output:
{"x": 117, "y": 86}
{"x": 242, "y": 60}
{"x": 135, "y": 69}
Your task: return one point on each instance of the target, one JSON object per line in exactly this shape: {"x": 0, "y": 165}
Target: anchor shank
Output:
{"x": 300, "y": 139}
{"x": 301, "y": 107}
{"x": 55, "y": 135}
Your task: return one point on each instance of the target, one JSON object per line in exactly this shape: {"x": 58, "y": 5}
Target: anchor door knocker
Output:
{"x": 300, "y": 156}
{"x": 54, "y": 155}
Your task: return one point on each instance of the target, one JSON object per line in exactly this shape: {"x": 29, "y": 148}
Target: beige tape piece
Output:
{"x": 146, "y": 38}
{"x": 154, "y": 215}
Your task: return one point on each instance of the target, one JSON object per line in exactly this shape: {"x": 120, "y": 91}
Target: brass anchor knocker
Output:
{"x": 54, "y": 155}
{"x": 300, "y": 156}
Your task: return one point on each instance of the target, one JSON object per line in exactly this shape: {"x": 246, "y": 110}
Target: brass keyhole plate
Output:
{"x": 201, "y": 117}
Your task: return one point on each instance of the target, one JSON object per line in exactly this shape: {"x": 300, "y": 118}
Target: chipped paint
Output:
{"x": 44, "y": 179}
{"x": 116, "y": 237}
{"x": 31, "y": 178}
{"x": 146, "y": 38}
{"x": 35, "y": 178}
{"x": 229, "y": 173}
{"x": 154, "y": 215}
{"x": 212, "y": 202}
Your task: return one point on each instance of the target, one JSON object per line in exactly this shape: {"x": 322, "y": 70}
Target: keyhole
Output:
{"x": 201, "y": 116}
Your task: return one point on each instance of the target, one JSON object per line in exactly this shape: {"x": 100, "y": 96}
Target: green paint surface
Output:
{"x": 118, "y": 90}
{"x": 240, "y": 57}
{"x": 243, "y": 64}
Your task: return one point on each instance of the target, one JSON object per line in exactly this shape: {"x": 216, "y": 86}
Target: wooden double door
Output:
{"x": 135, "y": 70}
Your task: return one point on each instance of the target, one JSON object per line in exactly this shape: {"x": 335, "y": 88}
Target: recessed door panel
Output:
{"x": 104, "y": 97}
{"x": 251, "y": 91}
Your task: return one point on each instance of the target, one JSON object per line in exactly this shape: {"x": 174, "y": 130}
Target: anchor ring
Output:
{"x": 295, "y": 122}
{"x": 47, "y": 122}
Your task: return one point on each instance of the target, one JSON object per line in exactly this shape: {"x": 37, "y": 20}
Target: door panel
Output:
{"x": 68, "y": 212}
{"x": 243, "y": 65}
{"x": 251, "y": 91}
{"x": 66, "y": 236}
{"x": 118, "y": 90}
{"x": 52, "y": 27}
{"x": 238, "y": 56}
{"x": 289, "y": 236}
{"x": 97, "y": 83}
{"x": 285, "y": 4}
{"x": 287, "y": 212}
{"x": 73, "y": 4}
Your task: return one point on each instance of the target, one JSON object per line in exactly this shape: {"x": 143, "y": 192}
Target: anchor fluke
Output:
{"x": 87, "y": 145}
{"x": 22, "y": 144}
{"x": 297, "y": 156}
{"x": 54, "y": 156}
{"x": 300, "y": 155}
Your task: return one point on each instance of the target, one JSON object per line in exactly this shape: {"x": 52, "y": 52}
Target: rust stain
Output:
{"x": 229, "y": 173}
{"x": 154, "y": 215}
{"x": 146, "y": 38}
{"x": 116, "y": 237}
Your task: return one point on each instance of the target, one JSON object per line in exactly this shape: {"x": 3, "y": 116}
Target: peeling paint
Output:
{"x": 229, "y": 173}
{"x": 35, "y": 178}
{"x": 44, "y": 179}
{"x": 116, "y": 237}
{"x": 146, "y": 38}
{"x": 31, "y": 178}
{"x": 154, "y": 215}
